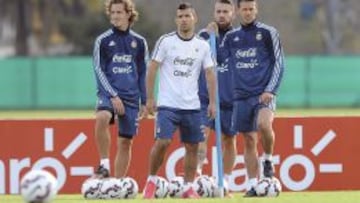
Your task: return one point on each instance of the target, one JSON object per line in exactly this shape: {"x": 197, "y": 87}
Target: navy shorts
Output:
{"x": 245, "y": 114}
{"x": 127, "y": 123}
{"x": 225, "y": 120}
{"x": 188, "y": 122}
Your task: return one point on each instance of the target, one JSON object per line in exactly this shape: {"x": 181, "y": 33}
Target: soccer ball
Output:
{"x": 268, "y": 187}
{"x": 162, "y": 187}
{"x": 129, "y": 187}
{"x": 90, "y": 189}
{"x": 110, "y": 188}
{"x": 205, "y": 186}
{"x": 175, "y": 187}
{"x": 38, "y": 186}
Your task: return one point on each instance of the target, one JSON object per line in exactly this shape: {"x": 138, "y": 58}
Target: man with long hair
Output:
{"x": 120, "y": 67}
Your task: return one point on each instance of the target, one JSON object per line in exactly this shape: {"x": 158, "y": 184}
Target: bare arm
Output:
{"x": 211, "y": 85}
{"x": 150, "y": 83}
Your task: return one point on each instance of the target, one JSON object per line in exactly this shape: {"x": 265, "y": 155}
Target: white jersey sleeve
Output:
{"x": 159, "y": 50}
{"x": 208, "y": 60}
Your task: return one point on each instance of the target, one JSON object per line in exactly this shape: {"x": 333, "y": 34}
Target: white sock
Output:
{"x": 267, "y": 157}
{"x": 152, "y": 178}
{"x": 199, "y": 170}
{"x": 187, "y": 185}
{"x": 226, "y": 177}
{"x": 105, "y": 163}
{"x": 226, "y": 181}
{"x": 253, "y": 182}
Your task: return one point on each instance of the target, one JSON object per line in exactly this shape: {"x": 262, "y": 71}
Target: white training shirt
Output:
{"x": 180, "y": 64}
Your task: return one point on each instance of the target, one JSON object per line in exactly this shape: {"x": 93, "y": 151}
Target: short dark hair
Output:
{"x": 225, "y": 2}
{"x": 239, "y": 1}
{"x": 184, "y": 6}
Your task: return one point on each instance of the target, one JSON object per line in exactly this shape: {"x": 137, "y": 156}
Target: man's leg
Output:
{"x": 229, "y": 154}
{"x": 123, "y": 156}
{"x": 251, "y": 161}
{"x": 157, "y": 155}
{"x": 102, "y": 136}
{"x": 127, "y": 125}
{"x": 202, "y": 152}
{"x": 265, "y": 120}
{"x": 190, "y": 163}
{"x": 191, "y": 135}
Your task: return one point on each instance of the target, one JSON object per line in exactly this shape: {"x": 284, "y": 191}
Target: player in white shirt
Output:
{"x": 179, "y": 56}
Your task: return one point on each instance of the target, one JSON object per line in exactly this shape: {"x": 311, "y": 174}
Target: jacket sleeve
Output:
{"x": 141, "y": 61}
{"x": 278, "y": 69}
{"x": 223, "y": 53}
{"x": 204, "y": 34}
{"x": 99, "y": 66}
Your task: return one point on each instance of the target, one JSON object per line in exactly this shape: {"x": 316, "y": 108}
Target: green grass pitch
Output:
{"x": 75, "y": 114}
{"x": 285, "y": 197}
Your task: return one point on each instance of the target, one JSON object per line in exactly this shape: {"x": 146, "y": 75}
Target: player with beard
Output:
{"x": 224, "y": 14}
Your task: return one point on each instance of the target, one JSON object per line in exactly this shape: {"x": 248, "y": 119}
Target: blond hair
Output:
{"x": 129, "y": 8}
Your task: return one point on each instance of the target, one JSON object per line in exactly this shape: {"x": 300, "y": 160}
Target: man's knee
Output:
{"x": 124, "y": 143}
{"x": 228, "y": 141}
{"x": 265, "y": 126}
{"x": 191, "y": 147}
{"x": 103, "y": 117}
{"x": 250, "y": 140}
{"x": 265, "y": 119}
{"x": 162, "y": 144}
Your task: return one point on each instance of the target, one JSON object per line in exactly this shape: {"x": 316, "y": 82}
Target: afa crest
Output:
{"x": 133, "y": 44}
{"x": 258, "y": 36}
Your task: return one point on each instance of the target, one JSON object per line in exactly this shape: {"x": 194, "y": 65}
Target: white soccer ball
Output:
{"x": 268, "y": 187}
{"x": 175, "y": 187}
{"x": 162, "y": 187}
{"x": 205, "y": 186}
{"x": 110, "y": 188}
{"x": 90, "y": 189}
{"x": 38, "y": 186}
{"x": 129, "y": 187}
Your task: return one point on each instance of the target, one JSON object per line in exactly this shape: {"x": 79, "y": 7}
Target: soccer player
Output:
{"x": 120, "y": 67}
{"x": 179, "y": 56}
{"x": 224, "y": 14}
{"x": 257, "y": 62}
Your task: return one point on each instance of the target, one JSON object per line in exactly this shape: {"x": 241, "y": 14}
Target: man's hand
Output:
{"x": 266, "y": 98}
{"x": 211, "y": 110}
{"x": 143, "y": 112}
{"x": 151, "y": 106}
{"x": 118, "y": 105}
{"x": 212, "y": 27}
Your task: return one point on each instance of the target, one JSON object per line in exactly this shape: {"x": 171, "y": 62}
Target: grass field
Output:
{"x": 41, "y": 114}
{"x": 285, "y": 197}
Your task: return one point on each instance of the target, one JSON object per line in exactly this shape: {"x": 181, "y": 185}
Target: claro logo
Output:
{"x": 16, "y": 165}
{"x": 310, "y": 167}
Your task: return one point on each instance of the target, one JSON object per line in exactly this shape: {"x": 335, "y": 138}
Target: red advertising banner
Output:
{"x": 310, "y": 153}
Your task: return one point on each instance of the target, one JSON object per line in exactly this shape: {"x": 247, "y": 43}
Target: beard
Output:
{"x": 223, "y": 26}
